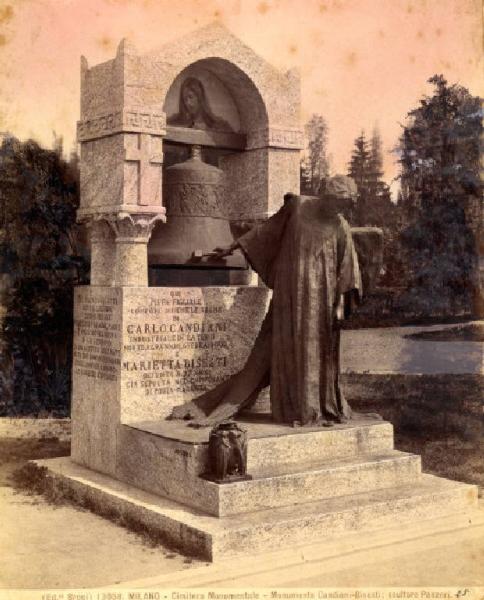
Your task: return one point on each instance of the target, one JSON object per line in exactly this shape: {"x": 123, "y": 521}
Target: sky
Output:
{"x": 363, "y": 63}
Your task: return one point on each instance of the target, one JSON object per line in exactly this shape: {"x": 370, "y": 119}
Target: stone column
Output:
{"x": 132, "y": 235}
{"x": 103, "y": 252}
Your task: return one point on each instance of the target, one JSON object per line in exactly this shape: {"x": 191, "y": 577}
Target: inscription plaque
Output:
{"x": 174, "y": 344}
{"x": 97, "y": 335}
{"x": 155, "y": 348}
{"x": 180, "y": 342}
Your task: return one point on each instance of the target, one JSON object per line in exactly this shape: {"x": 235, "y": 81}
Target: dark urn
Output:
{"x": 227, "y": 453}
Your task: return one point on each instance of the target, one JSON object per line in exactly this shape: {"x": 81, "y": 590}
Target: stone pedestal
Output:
{"x": 140, "y": 351}
{"x": 307, "y": 486}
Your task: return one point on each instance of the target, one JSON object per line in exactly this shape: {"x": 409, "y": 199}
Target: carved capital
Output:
{"x": 133, "y": 228}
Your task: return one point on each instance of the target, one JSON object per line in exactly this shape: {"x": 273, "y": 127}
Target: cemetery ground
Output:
{"x": 48, "y": 543}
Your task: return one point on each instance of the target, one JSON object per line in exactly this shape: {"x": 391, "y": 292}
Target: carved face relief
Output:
{"x": 191, "y": 101}
{"x": 194, "y": 109}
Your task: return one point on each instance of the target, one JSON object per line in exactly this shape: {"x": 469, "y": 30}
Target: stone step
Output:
{"x": 430, "y": 498}
{"x": 287, "y": 566}
{"x": 172, "y": 468}
{"x": 215, "y": 538}
{"x": 270, "y": 444}
{"x": 288, "y": 446}
{"x": 272, "y": 488}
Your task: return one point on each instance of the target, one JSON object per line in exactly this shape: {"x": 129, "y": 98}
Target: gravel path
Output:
{"x": 59, "y": 546}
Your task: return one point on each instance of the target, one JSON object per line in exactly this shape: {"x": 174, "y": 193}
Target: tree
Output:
{"x": 381, "y": 210}
{"x": 359, "y": 163}
{"x": 439, "y": 157}
{"x": 43, "y": 261}
{"x": 358, "y": 169}
{"x": 378, "y": 189}
{"x": 374, "y": 206}
{"x": 315, "y": 163}
{"x": 375, "y": 160}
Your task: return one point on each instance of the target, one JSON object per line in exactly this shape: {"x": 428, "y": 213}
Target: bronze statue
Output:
{"x": 194, "y": 109}
{"x": 306, "y": 255}
{"x": 227, "y": 452}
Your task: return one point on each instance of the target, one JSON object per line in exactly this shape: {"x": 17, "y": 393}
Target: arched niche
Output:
{"x": 218, "y": 99}
{"x": 229, "y": 88}
{"x": 231, "y": 97}
{"x": 227, "y": 106}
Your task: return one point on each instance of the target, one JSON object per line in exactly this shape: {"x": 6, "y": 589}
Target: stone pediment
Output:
{"x": 266, "y": 97}
{"x": 217, "y": 41}
{"x": 240, "y": 68}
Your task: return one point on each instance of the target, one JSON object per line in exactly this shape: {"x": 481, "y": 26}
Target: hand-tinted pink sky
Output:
{"x": 363, "y": 62}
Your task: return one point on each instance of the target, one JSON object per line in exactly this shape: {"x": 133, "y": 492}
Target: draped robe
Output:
{"x": 307, "y": 257}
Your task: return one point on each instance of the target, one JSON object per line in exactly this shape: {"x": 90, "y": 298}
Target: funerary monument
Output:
{"x": 183, "y": 150}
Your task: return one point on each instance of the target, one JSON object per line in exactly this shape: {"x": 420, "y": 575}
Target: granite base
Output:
{"x": 213, "y": 538}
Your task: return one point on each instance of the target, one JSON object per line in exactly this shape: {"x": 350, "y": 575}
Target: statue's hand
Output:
{"x": 220, "y": 252}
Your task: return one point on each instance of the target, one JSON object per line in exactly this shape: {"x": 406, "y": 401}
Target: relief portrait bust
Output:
{"x": 194, "y": 109}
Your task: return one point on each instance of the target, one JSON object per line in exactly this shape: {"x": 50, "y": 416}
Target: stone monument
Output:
{"x": 160, "y": 346}
{"x": 203, "y": 136}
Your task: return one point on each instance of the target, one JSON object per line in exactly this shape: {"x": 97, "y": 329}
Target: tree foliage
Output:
{"x": 374, "y": 206}
{"x": 439, "y": 156}
{"x": 315, "y": 163}
{"x": 41, "y": 262}
{"x": 359, "y": 167}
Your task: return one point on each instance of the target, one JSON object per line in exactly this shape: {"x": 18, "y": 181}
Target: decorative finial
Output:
{"x": 126, "y": 47}
{"x": 84, "y": 65}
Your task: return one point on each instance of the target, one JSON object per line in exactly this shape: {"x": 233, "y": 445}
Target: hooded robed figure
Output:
{"x": 306, "y": 255}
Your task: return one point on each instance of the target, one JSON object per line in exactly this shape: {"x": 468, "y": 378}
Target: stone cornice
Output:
{"x": 129, "y": 120}
{"x": 289, "y": 138}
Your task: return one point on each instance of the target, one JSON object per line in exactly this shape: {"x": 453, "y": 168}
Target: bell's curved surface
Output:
{"x": 195, "y": 196}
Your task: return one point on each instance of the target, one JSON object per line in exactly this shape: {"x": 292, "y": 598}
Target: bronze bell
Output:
{"x": 194, "y": 194}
